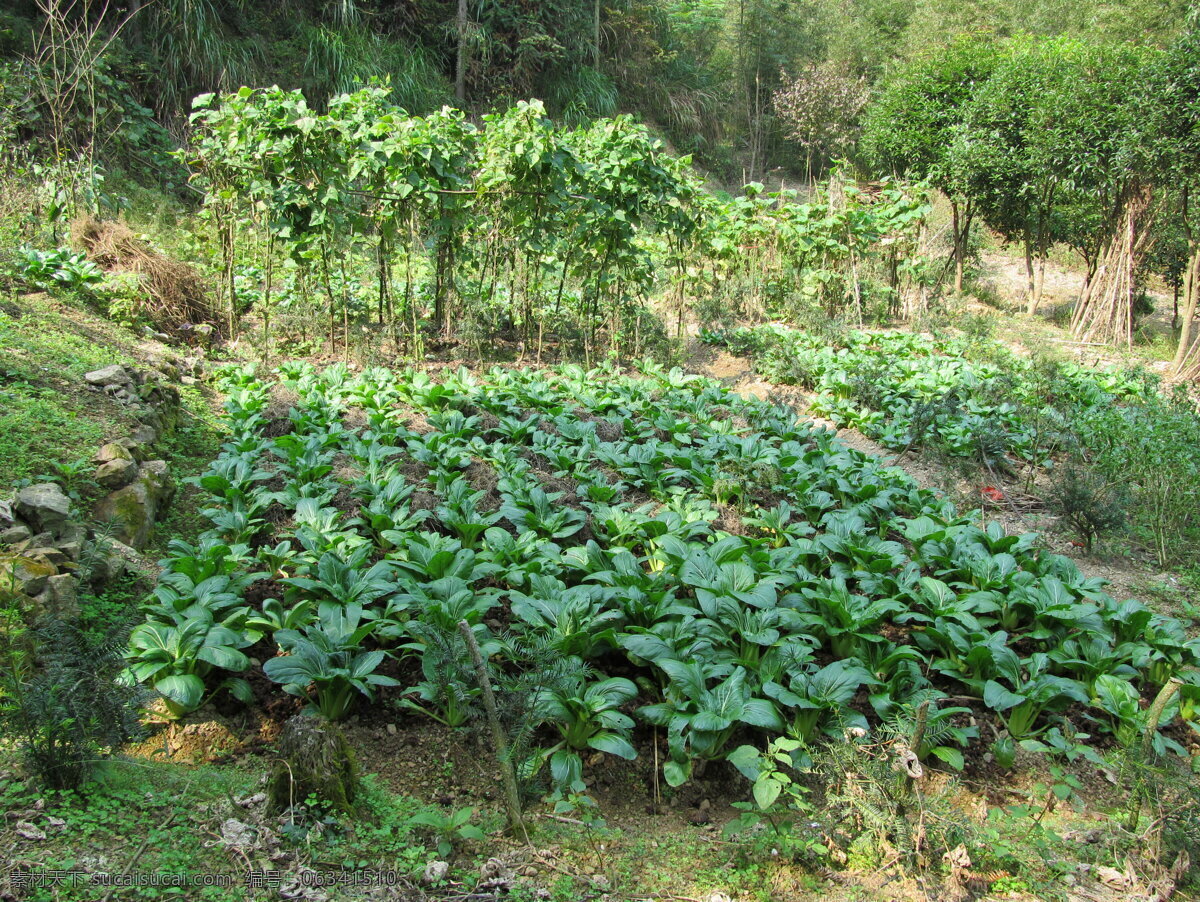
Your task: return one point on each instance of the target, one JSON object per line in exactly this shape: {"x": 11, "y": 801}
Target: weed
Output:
{"x": 1088, "y": 501}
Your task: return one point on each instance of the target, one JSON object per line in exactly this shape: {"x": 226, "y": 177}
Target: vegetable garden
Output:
{"x": 700, "y": 566}
{"x": 973, "y": 399}
{"x": 903, "y": 389}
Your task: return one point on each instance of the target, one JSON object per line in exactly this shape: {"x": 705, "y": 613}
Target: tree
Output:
{"x": 1002, "y": 153}
{"x": 460, "y": 67}
{"x": 912, "y": 126}
{"x": 1175, "y": 133}
{"x": 820, "y": 110}
{"x": 1091, "y": 137}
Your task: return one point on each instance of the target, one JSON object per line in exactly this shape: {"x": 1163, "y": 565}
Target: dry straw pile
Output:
{"x": 175, "y": 299}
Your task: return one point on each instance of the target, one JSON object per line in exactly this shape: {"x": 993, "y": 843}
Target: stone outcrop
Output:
{"x": 132, "y": 510}
{"x": 115, "y": 376}
{"x": 140, "y": 487}
{"x": 46, "y": 551}
{"x": 117, "y": 468}
{"x": 44, "y": 508}
{"x": 147, "y": 393}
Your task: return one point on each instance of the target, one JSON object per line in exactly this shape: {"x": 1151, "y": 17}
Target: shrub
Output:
{"x": 1151, "y": 447}
{"x": 1088, "y": 501}
{"x": 61, "y": 702}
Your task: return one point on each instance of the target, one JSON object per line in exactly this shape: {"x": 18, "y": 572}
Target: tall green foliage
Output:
{"x": 511, "y": 216}
{"x": 1050, "y": 141}
{"x": 1175, "y": 126}
{"x": 912, "y": 127}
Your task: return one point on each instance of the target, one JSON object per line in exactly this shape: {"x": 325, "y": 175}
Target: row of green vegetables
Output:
{"x": 713, "y": 566}
{"x": 907, "y": 390}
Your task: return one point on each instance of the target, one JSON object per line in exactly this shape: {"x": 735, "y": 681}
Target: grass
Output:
{"x": 179, "y": 812}
{"x": 48, "y": 419}
{"x": 158, "y": 818}
{"x": 100, "y": 830}
{"x": 195, "y": 442}
{"x": 51, "y": 424}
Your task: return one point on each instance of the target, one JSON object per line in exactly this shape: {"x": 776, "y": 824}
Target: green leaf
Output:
{"x": 566, "y": 768}
{"x": 951, "y": 756}
{"x": 766, "y": 790}
{"x": 240, "y": 689}
{"x": 186, "y": 690}
{"x": 748, "y": 760}
{"x": 224, "y": 657}
{"x": 998, "y": 698}
{"x": 613, "y": 744}
{"x": 677, "y": 774}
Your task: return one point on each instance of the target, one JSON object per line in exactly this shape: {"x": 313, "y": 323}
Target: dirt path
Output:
{"x": 1126, "y": 578}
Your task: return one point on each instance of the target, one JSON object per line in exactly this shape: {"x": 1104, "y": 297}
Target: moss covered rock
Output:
{"x": 133, "y": 509}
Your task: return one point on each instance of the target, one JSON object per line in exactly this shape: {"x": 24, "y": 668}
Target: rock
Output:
{"x": 235, "y": 833}
{"x": 74, "y": 531}
{"x": 14, "y": 534}
{"x": 131, "y": 513}
{"x": 113, "y": 559}
{"x": 108, "y": 565}
{"x": 140, "y": 440}
{"x": 494, "y": 874}
{"x": 134, "y": 508}
{"x": 112, "y": 451}
{"x": 7, "y": 517}
{"x": 29, "y": 575}
{"x": 116, "y": 474}
{"x": 435, "y": 872}
{"x": 29, "y": 831}
{"x": 157, "y": 475}
{"x": 152, "y": 418}
{"x": 1113, "y": 878}
{"x": 72, "y": 551}
{"x": 391, "y": 729}
{"x": 44, "y": 507}
{"x": 48, "y": 553}
{"x": 109, "y": 375}
{"x": 121, "y": 394}
{"x": 59, "y": 601}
